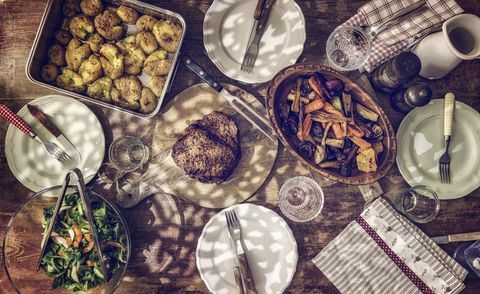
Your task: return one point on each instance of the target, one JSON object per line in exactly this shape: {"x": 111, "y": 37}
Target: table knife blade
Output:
{"x": 473, "y": 236}
{"x": 55, "y": 131}
{"x": 248, "y": 112}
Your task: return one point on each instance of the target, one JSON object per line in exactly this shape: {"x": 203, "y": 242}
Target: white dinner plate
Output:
{"x": 30, "y": 162}
{"x": 272, "y": 250}
{"x": 226, "y": 30}
{"x": 421, "y": 144}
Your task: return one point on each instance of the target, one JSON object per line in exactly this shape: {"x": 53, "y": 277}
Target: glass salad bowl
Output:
{"x": 23, "y": 238}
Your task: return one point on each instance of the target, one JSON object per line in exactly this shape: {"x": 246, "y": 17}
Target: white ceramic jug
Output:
{"x": 441, "y": 52}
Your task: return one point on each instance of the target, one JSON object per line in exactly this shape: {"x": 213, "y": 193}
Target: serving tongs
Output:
{"x": 82, "y": 190}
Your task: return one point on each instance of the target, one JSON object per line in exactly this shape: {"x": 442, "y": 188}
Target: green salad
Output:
{"x": 70, "y": 258}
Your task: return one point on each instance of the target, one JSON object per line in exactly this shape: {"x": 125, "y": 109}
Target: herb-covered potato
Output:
{"x": 108, "y": 25}
{"x": 91, "y": 69}
{"x": 148, "y": 101}
{"x": 56, "y": 55}
{"x": 95, "y": 41}
{"x": 156, "y": 84}
{"x": 127, "y": 14}
{"x": 80, "y": 26}
{"x": 100, "y": 89}
{"x": 63, "y": 37}
{"x": 71, "y": 7}
{"x": 91, "y": 7}
{"x": 112, "y": 61}
{"x": 147, "y": 42}
{"x": 145, "y": 23}
{"x": 133, "y": 56}
{"x": 168, "y": 34}
{"x": 157, "y": 63}
{"x": 127, "y": 43}
{"x": 126, "y": 92}
{"x": 49, "y": 73}
{"x": 77, "y": 52}
{"x": 71, "y": 81}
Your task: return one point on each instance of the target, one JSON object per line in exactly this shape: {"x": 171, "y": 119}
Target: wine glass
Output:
{"x": 301, "y": 199}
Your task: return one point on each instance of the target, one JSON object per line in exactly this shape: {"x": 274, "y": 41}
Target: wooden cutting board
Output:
{"x": 163, "y": 175}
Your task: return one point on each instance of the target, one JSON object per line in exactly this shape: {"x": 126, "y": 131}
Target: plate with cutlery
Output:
{"x": 275, "y": 37}
{"x": 421, "y": 148}
{"x": 247, "y": 248}
{"x": 50, "y": 136}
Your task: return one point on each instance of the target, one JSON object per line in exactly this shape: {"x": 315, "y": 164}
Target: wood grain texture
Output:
{"x": 165, "y": 241}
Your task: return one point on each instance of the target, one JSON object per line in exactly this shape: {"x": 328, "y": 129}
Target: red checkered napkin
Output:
{"x": 408, "y": 30}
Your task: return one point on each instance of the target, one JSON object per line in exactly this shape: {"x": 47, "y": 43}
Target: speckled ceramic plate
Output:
{"x": 420, "y": 146}
{"x": 272, "y": 250}
{"x": 28, "y": 160}
{"x": 226, "y": 30}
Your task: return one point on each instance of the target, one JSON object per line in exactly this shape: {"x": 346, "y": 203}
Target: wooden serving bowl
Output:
{"x": 277, "y": 97}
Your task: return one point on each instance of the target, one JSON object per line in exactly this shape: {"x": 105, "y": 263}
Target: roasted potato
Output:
{"x": 156, "y": 84}
{"x": 112, "y": 61}
{"x": 91, "y": 7}
{"x": 71, "y": 7}
{"x": 49, "y": 73}
{"x": 90, "y": 70}
{"x": 127, "y": 14}
{"x": 147, "y": 42}
{"x": 168, "y": 34}
{"x": 71, "y": 81}
{"x": 133, "y": 56}
{"x": 148, "y": 101}
{"x": 145, "y": 23}
{"x": 108, "y": 25}
{"x": 100, "y": 89}
{"x": 56, "y": 54}
{"x": 126, "y": 92}
{"x": 76, "y": 53}
{"x": 63, "y": 37}
{"x": 80, "y": 26}
{"x": 95, "y": 41}
{"x": 157, "y": 64}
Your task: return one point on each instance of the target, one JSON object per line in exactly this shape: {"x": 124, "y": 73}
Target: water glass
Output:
{"x": 301, "y": 199}
{"x": 348, "y": 48}
{"x": 128, "y": 154}
{"x": 419, "y": 203}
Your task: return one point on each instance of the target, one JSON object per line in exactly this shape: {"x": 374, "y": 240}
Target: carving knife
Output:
{"x": 251, "y": 115}
{"x": 55, "y": 131}
{"x": 457, "y": 238}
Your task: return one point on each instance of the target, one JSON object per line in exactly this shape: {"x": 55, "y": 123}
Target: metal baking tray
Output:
{"x": 53, "y": 19}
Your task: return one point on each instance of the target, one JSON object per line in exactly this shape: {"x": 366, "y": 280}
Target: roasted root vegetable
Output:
{"x": 360, "y": 142}
{"x": 365, "y": 112}
{"x": 347, "y": 103}
{"x": 337, "y": 143}
{"x": 353, "y": 130}
{"x": 367, "y": 160}
{"x": 320, "y": 154}
{"x": 337, "y": 104}
{"x": 315, "y": 105}
{"x": 330, "y": 164}
{"x": 307, "y": 125}
{"x": 296, "y": 99}
{"x": 337, "y": 131}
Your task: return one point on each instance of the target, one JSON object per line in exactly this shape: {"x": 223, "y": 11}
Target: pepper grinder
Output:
{"x": 416, "y": 95}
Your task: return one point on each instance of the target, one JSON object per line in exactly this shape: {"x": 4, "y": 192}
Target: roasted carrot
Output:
{"x": 313, "y": 82}
{"x": 314, "y": 106}
{"x": 353, "y": 130}
{"x": 307, "y": 125}
{"x": 360, "y": 142}
{"x": 69, "y": 241}
{"x": 330, "y": 109}
{"x": 88, "y": 248}
{"x": 337, "y": 131}
{"x": 78, "y": 236}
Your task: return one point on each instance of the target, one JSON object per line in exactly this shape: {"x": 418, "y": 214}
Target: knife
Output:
{"x": 236, "y": 268}
{"x": 457, "y": 238}
{"x": 55, "y": 131}
{"x": 250, "y": 114}
{"x": 256, "y": 17}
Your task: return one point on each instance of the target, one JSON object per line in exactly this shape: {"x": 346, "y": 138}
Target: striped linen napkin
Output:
{"x": 383, "y": 252}
{"x": 427, "y": 18}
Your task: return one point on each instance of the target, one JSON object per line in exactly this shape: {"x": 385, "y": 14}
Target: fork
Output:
{"x": 444, "y": 165}
{"x": 236, "y": 232}
{"x": 51, "y": 147}
{"x": 252, "y": 51}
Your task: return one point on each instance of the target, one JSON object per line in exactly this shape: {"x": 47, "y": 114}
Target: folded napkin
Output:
{"x": 427, "y": 17}
{"x": 382, "y": 252}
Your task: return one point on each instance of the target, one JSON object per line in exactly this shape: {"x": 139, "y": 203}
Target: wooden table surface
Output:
{"x": 166, "y": 229}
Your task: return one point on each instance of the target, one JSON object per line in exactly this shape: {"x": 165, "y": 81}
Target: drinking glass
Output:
{"x": 348, "y": 48}
{"x": 419, "y": 203}
{"x": 301, "y": 199}
{"x": 128, "y": 154}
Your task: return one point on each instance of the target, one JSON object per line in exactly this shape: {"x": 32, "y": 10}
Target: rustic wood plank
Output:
{"x": 175, "y": 269}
